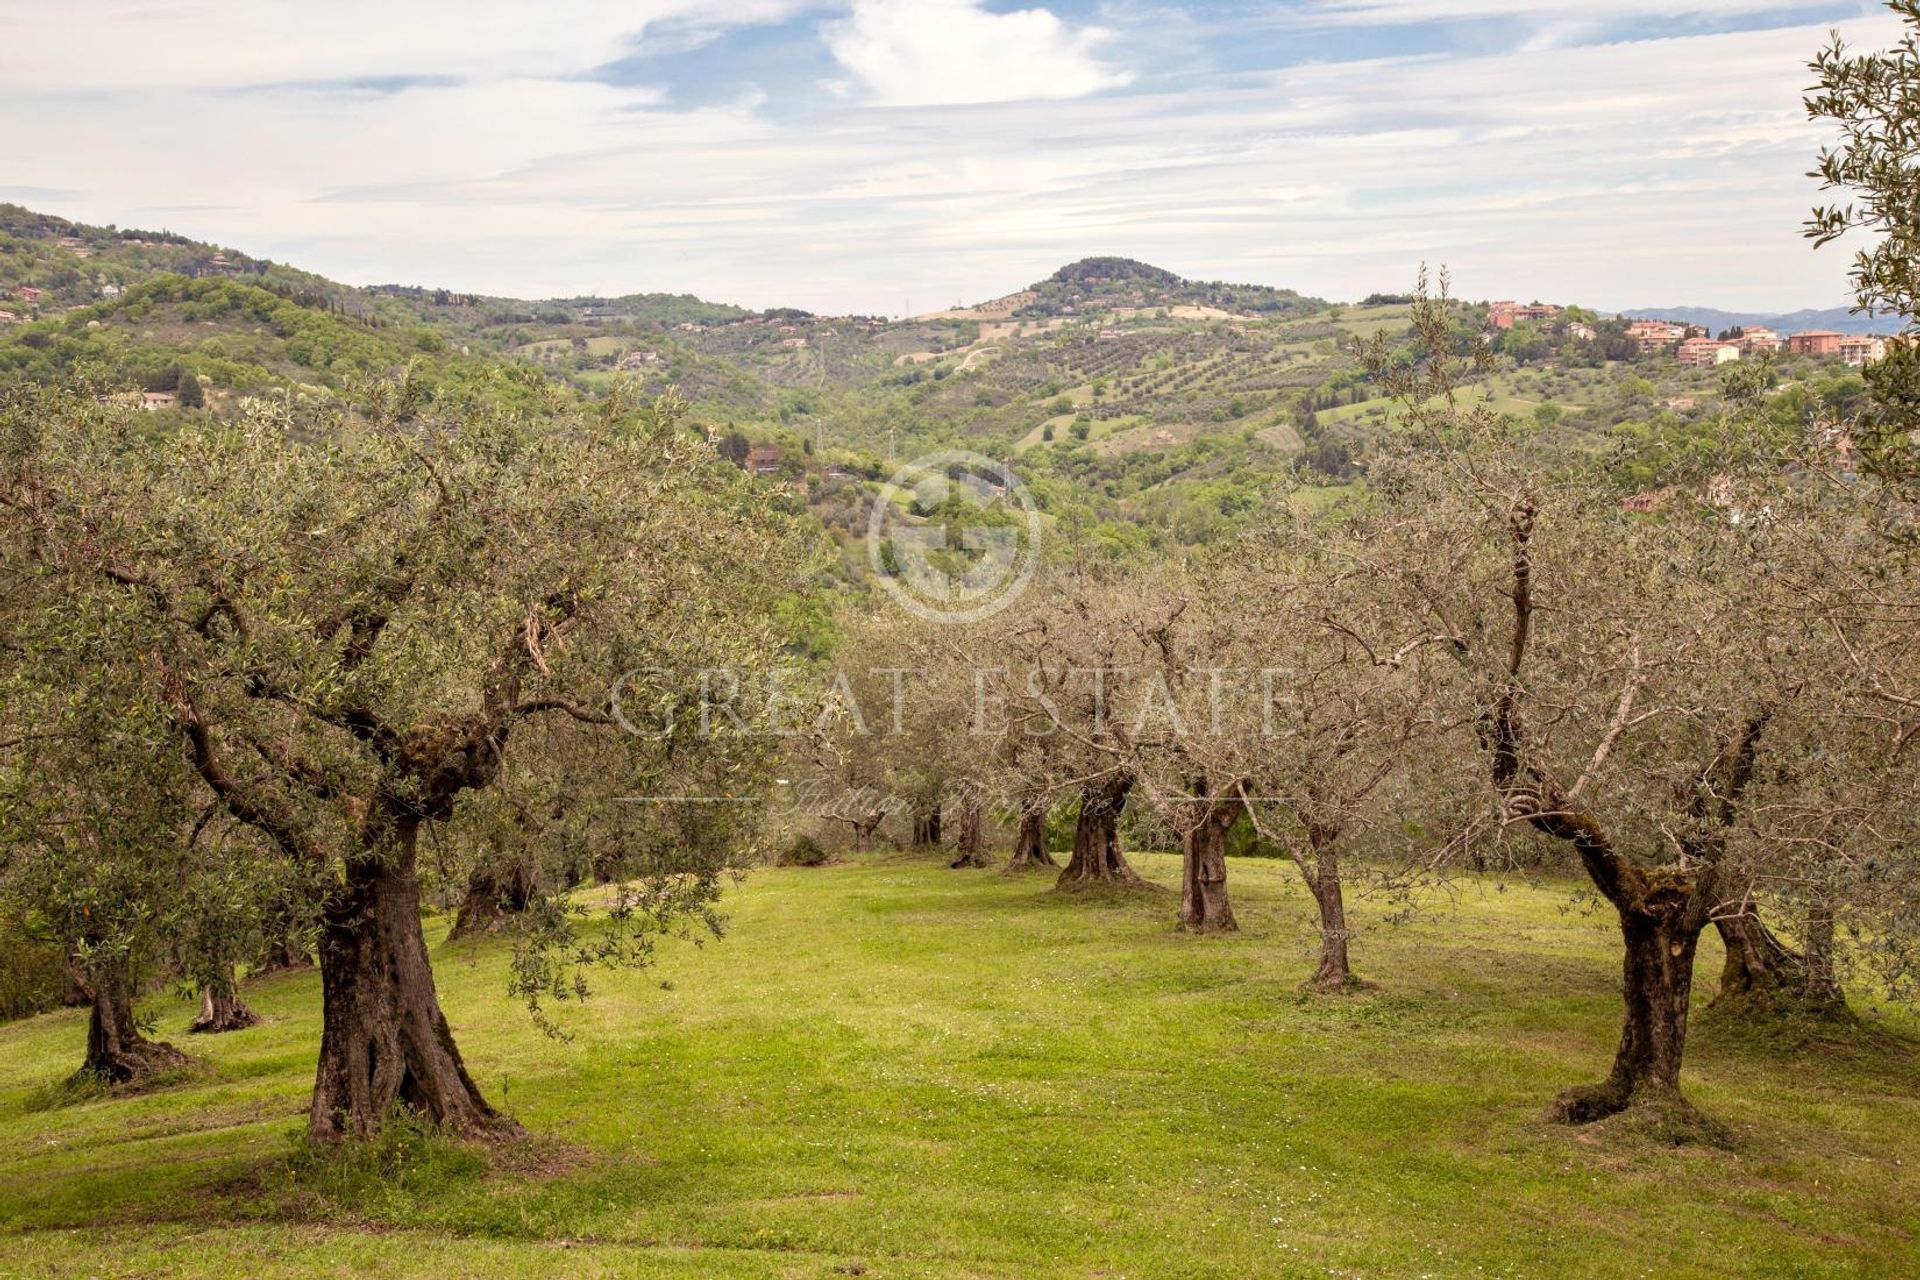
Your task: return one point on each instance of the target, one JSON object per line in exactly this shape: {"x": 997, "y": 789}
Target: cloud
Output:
{"x": 184, "y": 44}
{"x": 913, "y": 53}
{"x": 1609, "y": 173}
{"x": 1408, "y": 12}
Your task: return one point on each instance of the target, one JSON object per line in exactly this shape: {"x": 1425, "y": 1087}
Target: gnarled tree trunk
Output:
{"x": 1662, "y": 910}
{"x": 1335, "y": 972}
{"x": 1661, "y": 938}
{"x": 863, "y": 834}
{"x": 384, "y": 1042}
{"x": 972, "y": 854}
{"x": 116, "y": 1051}
{"x": 1096, "y": 838}
{"x": 1762, "y": 972}
{"x": 221, "y": 1008}
{"x": 283, "y": 955}
{"x": 1204, "y": 907}
{"x": 1030, "y": 840}
{"x": 494, "y": 894}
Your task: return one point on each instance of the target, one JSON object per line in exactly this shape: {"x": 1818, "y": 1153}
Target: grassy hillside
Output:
{"x": 241, "y": 338}
{"x": 1142, "y": 408}
{"x": 974, "y": 1077}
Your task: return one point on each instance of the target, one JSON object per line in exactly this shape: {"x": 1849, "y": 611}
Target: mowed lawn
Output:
{"x": 892, "y": 1069}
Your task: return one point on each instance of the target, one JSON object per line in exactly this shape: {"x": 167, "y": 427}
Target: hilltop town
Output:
{"x": 1692, "y": 345}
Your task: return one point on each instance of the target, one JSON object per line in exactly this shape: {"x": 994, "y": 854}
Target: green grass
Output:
{"x": 912, "y": 1071}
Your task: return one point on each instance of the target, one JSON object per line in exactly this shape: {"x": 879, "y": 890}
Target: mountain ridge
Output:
{"x": 1838, "y": 319}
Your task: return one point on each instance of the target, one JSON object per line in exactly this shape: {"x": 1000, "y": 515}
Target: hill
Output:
{"x": 1140, "y": 405}
{"x": 51, "y": 266}
{"x": 1837, "y": 319}
{"x": 251, "y": 335}
{"x": 1124, "y": 284}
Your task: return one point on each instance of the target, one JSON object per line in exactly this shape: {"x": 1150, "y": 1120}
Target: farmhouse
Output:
{"x": 148, "y": 400}
{"x": 764, "y": 459}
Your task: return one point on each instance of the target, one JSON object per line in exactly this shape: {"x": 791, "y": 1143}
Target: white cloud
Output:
{"x": 1623, "y": 174}
{"x": 136, "y": 44}
{"x": 1405, "y": 12}
{"x": 910, "y": 53}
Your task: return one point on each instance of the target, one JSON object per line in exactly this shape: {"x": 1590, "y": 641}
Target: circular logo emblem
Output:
{"x": 953, "y": 537}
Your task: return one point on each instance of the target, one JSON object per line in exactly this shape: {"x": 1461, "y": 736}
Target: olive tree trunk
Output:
{"x": 116, "y": 1051}
{"x": 972, "y": 850}
{"x": 926, "y": 827}
{"x": 1204, "y": 907}
{"x": 1335, "y": 971}
{"x": 495, "y": 894}
{"x": 1762, "y": 973}
{"x": 1823, "y": 982}
{"x": 384, "y": 1042}
{"x": 1030, "y": 839}
{"x": 1096, "y": 838}
{"x": 286, "y": 946}
{"x": 1661, "y": 941}
{"x": 221, "y": 1008}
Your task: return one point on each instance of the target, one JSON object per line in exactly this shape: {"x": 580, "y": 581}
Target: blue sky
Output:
{"x": 881, "y": 155}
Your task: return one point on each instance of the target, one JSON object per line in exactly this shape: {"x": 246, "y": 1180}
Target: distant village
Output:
{"x": 1693, "y": 346}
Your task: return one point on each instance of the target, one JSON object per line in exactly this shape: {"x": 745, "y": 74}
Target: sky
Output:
{"x": 899, "y": 156}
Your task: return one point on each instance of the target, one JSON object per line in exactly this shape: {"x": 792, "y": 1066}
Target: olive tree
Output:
{"x": 1873, "y": 100}
{"x": 95, "y": 817}
{"x": 1060, "y": 680}
{"x": 1866, "y": 579}
{"x": 352, "y": 617}
{"x": 1332, "y": 686}
{"x": 1628, "y": 679}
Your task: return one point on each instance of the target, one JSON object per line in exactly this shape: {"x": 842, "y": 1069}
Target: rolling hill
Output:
{"x": 1149, "y": 405}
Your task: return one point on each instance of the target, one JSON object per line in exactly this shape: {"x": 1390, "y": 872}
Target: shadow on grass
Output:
{"x": 1868, "y": 1053}
{"x": 83, "y": 1087}
{"x": 409, "y": 1175}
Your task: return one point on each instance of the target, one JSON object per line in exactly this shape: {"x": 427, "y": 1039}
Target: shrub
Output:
{"x": 31, "y": 977}
{"x": 802, "y": 851}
